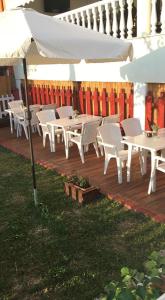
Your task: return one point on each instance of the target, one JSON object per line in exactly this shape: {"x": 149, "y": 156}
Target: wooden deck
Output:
{"x": 132, "y": 195}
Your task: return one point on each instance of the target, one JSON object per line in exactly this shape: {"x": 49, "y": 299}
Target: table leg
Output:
{"x": 52, "y": 139}
{"x": 66, "y": 142}
{"x": 152, "y": 182}
{"x": 129, "y": 162}
{"x": 11, "y": 122}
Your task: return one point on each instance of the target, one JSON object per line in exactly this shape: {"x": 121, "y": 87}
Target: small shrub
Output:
{"x": 136, "y": 285}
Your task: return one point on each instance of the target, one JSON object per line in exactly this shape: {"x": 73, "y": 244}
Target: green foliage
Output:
{"x": 136, "y": 285}
{"x": 154, "y": 127}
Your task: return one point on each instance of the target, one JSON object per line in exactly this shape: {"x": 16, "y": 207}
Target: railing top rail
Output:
{"x": 86, "y": 7}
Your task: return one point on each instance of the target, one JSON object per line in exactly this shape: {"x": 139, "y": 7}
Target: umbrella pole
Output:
{"x": 30, "y": 134}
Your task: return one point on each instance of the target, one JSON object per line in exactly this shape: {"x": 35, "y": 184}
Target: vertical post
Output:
{"x": 140, "y": 92}
{"x": 1, "y": 6}
{"x": 143, "y": 17}
{"x": 30, "y": 134}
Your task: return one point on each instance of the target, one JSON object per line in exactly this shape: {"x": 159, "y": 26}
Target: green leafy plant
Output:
{"x": 79, "y": 181}
{"x": 135, "y": 285}
{"x": 155, "y": 128}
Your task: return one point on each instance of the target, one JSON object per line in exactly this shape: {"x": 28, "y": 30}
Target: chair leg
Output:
{"x": 39, "y": 131}
{"x": 18, "y": 130}
{"x": 44, "y": 139}
{"x": 119, "y": 170}
{"x": 107, "y": 159}
{"x": 144, "y": 154}
{"x": 52, "y": 143}
{"x": 81, "y": 153}
{"x": 58, "y": 138}
{"x": 67, "y": 147}
{"x": 141, "y": 159}
{"x": 101, "y": 150}
{"x": 86, "y": 148}
{"x": 95, "y": 145}
{"x": 26, "y": 132}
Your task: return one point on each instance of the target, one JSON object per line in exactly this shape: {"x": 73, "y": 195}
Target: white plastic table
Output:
{"x": 66, "y": 123}
{"x": 152, "y": 144}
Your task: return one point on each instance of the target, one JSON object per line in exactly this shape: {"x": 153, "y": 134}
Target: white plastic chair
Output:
{"x": 45, "y": 116}
{"x": 113, "y": 148}
{"x": 161, "y": 132}
{"x": 15, "y": 103}
{"x": 87, "y": 136}
{"x": 65, "y": 111}
{"x": 49, "y": 106}
{"x": 22, "y": 121}
{"x": 16, "y": 107}
{"x": 159, "y": 164}
{"x": 111, "y": 119}
{"x": 107, "y": 120}
{"x": 132, "y": 126}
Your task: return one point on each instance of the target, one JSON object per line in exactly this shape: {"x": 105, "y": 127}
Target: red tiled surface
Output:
{"x": 133, "y": 195}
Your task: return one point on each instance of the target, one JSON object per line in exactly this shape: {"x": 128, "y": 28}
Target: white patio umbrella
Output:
{"x": 35, "y": 38}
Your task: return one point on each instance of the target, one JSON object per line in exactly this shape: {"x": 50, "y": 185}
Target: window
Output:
{"x": 56, "y": 6}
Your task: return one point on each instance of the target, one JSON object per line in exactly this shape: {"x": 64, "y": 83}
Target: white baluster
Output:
{"x": 114, "y": 25}
{"x": 94, "y": 12}
{"x": 101, "y": 26}
{"x": 108, "y": 26}
{"x": 163, "y": 17}
{"x": 68, "y": 18}
{"x": 130, "y": 20}
{"x": 153, "y": 17}
{"x": 83, "y": 18}
{"x": 72, "y": 18}
{"x": 78, "y": 18}
{"x": 89, "y": 18}
{"x": 122, "y": 23}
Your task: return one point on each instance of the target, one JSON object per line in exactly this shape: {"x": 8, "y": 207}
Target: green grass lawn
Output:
{"x": 62, "y": 251}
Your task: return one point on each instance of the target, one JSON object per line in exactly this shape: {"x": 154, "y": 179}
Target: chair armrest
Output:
{"x": 43, "y": 125}
{"x": 73, "y": 133}
{"x": 107, "y": 145}
{"x": 160, "y": 158}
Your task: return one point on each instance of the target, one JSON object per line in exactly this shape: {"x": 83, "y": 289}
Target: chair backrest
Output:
{"x": 34, "y": 110}
{"x": 161, "y": 132}
{"x": 46, "y": 116}
{"x": 131, "y": 126}
{"x": 15, "y": 104}
{"x": 65, "y": 111}
{"x": 111, "y": 119}
{"x": 111, "y": 134}
{"x": 49, "y": 106}
{"x": 89, "y": 132}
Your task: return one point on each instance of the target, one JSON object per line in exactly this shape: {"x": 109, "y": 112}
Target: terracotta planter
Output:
{"x": 81, "y": 195}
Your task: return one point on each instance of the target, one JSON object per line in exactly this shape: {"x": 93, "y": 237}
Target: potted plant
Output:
{"x": 79, "y": 189}
{"x": 155, "y": 128}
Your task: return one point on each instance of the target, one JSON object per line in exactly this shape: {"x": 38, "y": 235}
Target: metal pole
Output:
{"x": 30, "y": 134}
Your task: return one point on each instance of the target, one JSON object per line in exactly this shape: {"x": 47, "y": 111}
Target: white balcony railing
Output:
{"x": 120, "y": 18}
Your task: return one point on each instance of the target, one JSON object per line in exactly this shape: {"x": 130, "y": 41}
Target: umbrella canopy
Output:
{"x": 26, "y": 33}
